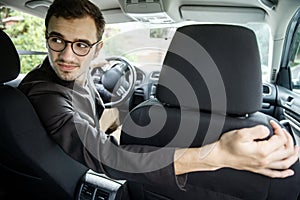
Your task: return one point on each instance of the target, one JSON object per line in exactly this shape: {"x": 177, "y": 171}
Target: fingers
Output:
{"x": 281, "y": 138}
{"x": 290, "y": 142}
{"x": 286, "y": 154}
{"x": 277, "y": 128}
{"x": 278, "y": 140}
{"x": 288, "y": 159}
{"x": 276, "y": 174}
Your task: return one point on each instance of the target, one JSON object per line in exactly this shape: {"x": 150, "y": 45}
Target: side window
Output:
{"x": 27, "y": 33}
{"x": 294, "y": 62}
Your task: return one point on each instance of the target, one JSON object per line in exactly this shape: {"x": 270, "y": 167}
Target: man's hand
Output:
{"x": 241, "y": 150}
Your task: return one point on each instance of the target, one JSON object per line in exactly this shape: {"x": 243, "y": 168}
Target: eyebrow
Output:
{"x": 54, "y": 33}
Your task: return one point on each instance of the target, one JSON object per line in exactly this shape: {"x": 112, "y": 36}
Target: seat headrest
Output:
{"x": 215, "y": 68}
{"x": 10, "y": 62}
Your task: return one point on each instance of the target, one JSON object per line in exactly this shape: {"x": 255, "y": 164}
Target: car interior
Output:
{"x": 213, "y": 76}
{"x": 202, "y": 112}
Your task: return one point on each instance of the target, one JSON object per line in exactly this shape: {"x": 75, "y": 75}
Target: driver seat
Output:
{"x": 31, "y": 164}
{"x": 210, "y": 83}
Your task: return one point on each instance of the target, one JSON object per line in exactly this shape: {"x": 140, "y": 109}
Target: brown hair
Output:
{"x": 72, "y": 9}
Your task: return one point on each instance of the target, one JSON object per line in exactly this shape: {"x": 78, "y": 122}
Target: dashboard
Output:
{"x": 145, "y": 88}
{"x": 147, "y": 79}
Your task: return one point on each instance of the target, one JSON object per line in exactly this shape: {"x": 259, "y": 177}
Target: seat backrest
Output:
{"x": 210, "y": 83}
{"x": 31, "y": 164}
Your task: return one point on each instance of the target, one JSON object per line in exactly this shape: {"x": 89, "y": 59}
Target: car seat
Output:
{"x": 31, "y": 164}
{"x": 210, "y": 83}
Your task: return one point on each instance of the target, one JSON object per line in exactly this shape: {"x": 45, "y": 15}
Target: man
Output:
{"x": 69, "y": 107}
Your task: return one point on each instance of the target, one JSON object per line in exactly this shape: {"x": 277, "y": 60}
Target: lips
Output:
{"x": 65, "y": 67}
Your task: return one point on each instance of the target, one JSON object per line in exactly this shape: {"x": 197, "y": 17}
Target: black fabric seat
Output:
{"x": 31, "y": 165}
{"x": 210, "y": 83}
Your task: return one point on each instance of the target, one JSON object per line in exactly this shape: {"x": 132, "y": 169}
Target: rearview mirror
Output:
{"x": 162, "y": 33}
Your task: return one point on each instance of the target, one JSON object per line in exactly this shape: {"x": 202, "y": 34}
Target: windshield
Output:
{"x": 139, "y": 43}
{"x": 144, "y": 44}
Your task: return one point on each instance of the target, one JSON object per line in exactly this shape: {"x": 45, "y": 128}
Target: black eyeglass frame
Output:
{"x": 72, "y": 43}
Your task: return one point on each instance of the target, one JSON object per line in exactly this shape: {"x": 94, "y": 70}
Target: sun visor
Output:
{"x": 220, "y": 14}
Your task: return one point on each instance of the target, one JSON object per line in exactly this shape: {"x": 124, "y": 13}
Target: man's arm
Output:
{"x": 82, "y": 141}
{"x": 239, "y": 149}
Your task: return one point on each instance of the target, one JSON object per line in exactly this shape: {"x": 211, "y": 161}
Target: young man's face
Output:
{"x": 67, "y": 65}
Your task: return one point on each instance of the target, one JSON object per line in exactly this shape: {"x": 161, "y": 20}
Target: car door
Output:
{"x": 288, "y": 81}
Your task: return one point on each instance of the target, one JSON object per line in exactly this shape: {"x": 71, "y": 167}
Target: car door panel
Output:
{"x": 289, "y": 108}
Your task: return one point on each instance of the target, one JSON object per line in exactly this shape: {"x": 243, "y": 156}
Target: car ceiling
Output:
{"x": 173, "y": 7}
{"x": 178, "y": 10}
{"x": 221, "y": 11}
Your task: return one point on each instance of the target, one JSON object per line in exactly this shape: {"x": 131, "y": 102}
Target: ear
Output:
{"x": 98, "y": 48}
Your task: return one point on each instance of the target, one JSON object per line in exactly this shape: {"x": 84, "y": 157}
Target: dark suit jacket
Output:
{"x": 70, "y": 114}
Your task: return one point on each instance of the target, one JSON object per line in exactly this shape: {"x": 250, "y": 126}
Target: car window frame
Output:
{"x": 284, "y": 76}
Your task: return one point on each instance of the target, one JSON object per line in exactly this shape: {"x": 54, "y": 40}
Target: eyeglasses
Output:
{"x": 58, "y": 44}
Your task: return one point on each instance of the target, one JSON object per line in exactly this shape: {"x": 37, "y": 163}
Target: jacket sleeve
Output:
{"x": 79, "y": 138}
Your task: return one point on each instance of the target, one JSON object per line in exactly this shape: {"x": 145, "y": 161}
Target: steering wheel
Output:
{"x": 115, "y": 84}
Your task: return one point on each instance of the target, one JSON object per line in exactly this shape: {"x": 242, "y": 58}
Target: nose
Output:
{"x": 67, "y": 53}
